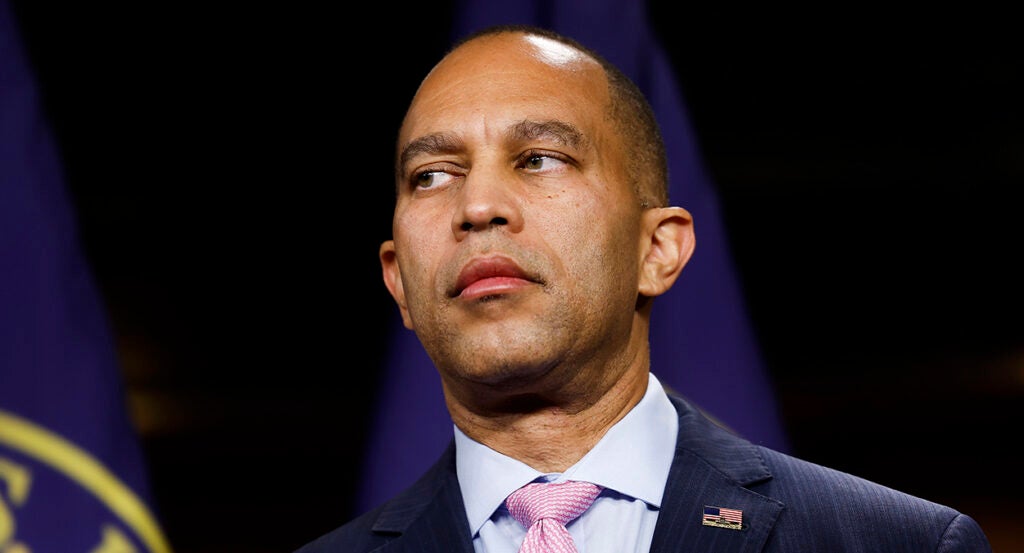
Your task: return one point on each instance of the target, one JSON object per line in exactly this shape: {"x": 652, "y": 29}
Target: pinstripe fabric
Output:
{"x": 544, "y": 508}
{"x": 789, "y": 505}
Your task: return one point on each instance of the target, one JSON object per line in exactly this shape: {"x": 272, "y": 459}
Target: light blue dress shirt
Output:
{"x": 631, "y": 462}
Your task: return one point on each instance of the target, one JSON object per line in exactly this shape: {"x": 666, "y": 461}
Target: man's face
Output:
{"x": 516, "y": 232}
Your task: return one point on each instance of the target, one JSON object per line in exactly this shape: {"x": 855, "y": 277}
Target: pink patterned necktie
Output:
{"x": 545, "y": 508}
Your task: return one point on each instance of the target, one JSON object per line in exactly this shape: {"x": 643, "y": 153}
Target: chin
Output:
{"x": 508, "y": 376}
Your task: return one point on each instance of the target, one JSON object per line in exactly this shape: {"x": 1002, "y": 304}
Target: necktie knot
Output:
{"x": 561, "y": 502}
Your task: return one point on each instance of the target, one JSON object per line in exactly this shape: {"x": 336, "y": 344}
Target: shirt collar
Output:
{"x": 645, "y": 437}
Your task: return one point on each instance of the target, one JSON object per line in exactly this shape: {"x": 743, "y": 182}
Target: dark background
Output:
{"x": 232, "y": 170}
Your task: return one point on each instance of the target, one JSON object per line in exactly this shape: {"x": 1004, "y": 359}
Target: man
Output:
{"x": 531, "y": 234}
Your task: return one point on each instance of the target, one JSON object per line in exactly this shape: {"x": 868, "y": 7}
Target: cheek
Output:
{"x": 595, "y": 241}
{"x": 417, "y": 248}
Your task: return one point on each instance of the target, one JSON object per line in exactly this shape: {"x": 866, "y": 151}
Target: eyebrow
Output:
{"x": 431, "y": 144}
{"x": 559, "y": 131}
{"x": 447, "y": 143}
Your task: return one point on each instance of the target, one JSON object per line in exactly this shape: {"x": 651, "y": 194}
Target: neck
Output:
{"x": 549, "y": 431}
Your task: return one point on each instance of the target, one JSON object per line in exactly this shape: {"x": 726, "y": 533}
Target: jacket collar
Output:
{"x": 429, "y": 515}
{"x": 712, "y": 467}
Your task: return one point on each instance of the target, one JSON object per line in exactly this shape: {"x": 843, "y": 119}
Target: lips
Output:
{"x": 490, "y": 276}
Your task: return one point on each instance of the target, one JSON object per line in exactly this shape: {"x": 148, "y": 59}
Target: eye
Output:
{"x": 542, "y": 162}
{"x": 431, "y": 179}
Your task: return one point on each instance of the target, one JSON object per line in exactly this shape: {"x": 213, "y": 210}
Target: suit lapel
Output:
{"x": 712, "y": 467}
{"x": 429, "y": 517}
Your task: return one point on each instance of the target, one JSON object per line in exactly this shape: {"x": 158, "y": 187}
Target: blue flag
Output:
{"x": 72, "y": 477}
{"x": 702, "y": 341}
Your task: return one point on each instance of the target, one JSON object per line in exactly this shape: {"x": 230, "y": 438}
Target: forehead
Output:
{"x": 494, "y": 81}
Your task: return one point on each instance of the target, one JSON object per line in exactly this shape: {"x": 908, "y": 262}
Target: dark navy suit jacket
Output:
{"x": 788, "y": 505}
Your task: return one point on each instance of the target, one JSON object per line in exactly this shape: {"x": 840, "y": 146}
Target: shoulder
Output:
{"x": 822, "y": 508}
{"x": 355, "y": 535}
{"x": 809, "y": 487}
{"x": 835, "y": 506}
{"x": 426, "y": 504}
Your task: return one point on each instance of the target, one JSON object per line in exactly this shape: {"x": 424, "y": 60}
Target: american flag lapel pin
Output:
{"x": 720, "y": 517}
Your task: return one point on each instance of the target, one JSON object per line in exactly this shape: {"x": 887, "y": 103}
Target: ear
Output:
{"x": 668, "y": 243}
{"x": 393, "y": 279}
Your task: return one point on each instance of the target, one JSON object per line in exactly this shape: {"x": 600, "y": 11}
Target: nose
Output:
{"x": 487, "y": 199}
